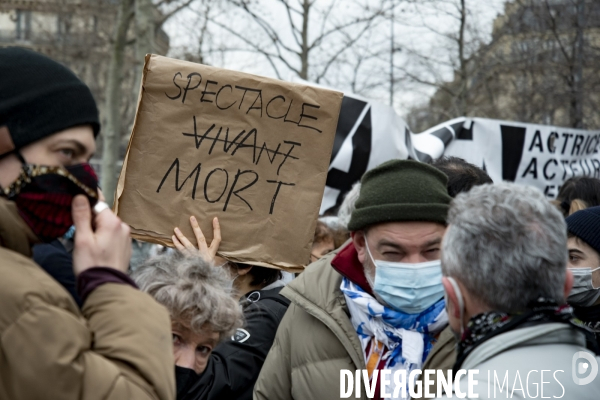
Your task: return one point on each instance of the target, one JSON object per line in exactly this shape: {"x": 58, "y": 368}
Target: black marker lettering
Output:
{"x": 275, "y": 152}
{"x": 235, "y": 192}
{"x": 285, "y": 117}
{"x": 178, "y": 187}
{"x": 226, "y": 144}
{"x": 178, "y": 87}
{"x": 215, "y": 140}
{"x": 241, "y": 144}
{"x": 286, "y": 156}
{"x": 188, "y": 84}
{"x": 303, "y": 115}
{"x": 245, "y": 89}
{"x": 197, "y": 138}
{"x": 279, "y": 183}
{"x": 269, "y": 103}
{"x": 217, "y": 98}
{"x": 255, "y": 100}
{"x": 204, "y": 92}
{"x": 206, "y": 184}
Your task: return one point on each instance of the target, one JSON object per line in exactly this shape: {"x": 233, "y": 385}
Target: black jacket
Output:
{"x": 234, "y": 365}
{"x": 56, "y": 259}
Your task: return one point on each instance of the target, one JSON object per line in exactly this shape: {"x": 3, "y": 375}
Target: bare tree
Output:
{"x": 450, "y": 64}
{"x": 543, "y": 64}
{"x": 314, "y": 37}
{"x": 114, "y": 95}
{"x": 150, "y": 16}
{"x": 148, "y": 20}
{"x": 562, "y": 34}
{"x": 540, "y": 65}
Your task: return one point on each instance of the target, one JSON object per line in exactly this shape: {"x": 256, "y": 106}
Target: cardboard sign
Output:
{"x": 210, "y": 142}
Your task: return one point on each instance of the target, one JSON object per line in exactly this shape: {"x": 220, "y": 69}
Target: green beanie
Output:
{"x": 401, "y": 190}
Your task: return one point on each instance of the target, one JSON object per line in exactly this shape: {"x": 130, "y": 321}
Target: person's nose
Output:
{"x": 414, "y": 258}
{"x": 185, "y": 358}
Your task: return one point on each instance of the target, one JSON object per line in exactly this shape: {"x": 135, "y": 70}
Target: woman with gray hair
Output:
{"x": 200, "y": 303}
{"x": 235, "y": 364}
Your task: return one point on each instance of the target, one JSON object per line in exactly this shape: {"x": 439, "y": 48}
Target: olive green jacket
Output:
{"x": 316, "y": 340}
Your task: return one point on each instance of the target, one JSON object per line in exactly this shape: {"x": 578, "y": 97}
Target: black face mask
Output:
{"x": 184, "y": 378}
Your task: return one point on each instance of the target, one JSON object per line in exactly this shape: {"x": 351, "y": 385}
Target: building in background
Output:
{"x": 78, "y": 34}
{"x": 541, "y": 66}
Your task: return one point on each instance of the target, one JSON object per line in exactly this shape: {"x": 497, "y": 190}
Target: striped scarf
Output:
{"x": 408, "y": 338}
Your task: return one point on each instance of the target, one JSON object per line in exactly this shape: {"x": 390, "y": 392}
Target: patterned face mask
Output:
{"x": 44, "y": 194}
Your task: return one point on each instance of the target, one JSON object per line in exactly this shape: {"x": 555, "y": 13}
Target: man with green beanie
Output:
{"x": 375, "y": 304}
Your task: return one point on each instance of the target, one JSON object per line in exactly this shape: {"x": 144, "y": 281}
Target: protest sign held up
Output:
{"x": 210, "y": 142}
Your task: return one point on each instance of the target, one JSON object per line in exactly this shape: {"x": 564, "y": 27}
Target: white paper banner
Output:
{"x": 370, "y": 133}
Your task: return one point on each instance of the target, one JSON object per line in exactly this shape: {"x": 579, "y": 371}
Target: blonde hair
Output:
{"x": 194, "y": 292}
{"x": 567, "y": 209}
{"x": 577, "y": 205}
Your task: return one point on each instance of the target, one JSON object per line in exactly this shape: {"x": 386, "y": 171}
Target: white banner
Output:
{"x": 368, "y": 134}
{"x": 543, "y": 156}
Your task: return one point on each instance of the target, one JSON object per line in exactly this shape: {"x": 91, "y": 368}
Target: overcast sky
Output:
{"x": 410, "y": 32}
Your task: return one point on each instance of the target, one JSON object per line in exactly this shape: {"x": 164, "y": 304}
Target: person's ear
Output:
{"x": 358, "y": 238}
{"x": 568, "y": 283}
{"x": 243, "y": 270}
{"x": 452, "y": 303}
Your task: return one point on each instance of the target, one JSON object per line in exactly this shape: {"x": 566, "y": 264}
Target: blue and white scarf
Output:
{"x": 407, "y": 337}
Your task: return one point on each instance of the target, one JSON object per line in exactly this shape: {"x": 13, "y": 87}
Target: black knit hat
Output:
{"x": 585, "y": 224}
{"x": 401, "y": 190}
{"x": 39, "y": 97}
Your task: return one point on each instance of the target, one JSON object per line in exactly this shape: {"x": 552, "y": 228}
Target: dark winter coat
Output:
{"x": 235, "y": 364}
{"x": 57, "y": 261}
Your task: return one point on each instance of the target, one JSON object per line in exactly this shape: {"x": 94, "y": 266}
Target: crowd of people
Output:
{"x": 425, "y": 267}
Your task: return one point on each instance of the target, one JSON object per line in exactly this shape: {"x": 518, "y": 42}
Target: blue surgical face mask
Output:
{"x": 410, "y": 288}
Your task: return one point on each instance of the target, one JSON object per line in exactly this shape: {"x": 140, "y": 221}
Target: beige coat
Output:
{"x": 117, "y": 347}
{"x": 316, "y": 340}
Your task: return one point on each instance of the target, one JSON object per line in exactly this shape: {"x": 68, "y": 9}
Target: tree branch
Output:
{"x": 293, "y": 28}
{"x": 260, "y": 50}
{"x": 168, "y": 15}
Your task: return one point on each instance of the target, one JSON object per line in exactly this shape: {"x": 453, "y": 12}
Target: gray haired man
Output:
{"x": 504, "y": 260}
